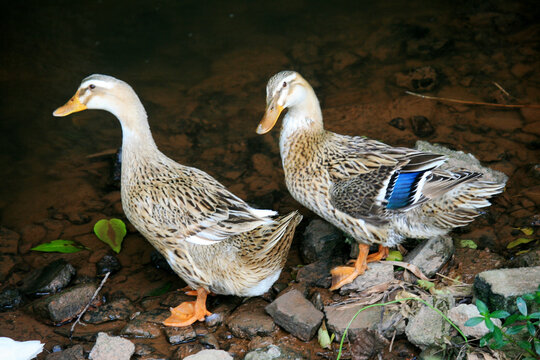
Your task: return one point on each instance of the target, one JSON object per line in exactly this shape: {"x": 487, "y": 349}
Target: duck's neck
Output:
{"x": 302, "y": 126}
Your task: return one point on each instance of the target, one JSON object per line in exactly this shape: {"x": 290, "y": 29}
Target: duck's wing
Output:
{"x": 190, "y": 205}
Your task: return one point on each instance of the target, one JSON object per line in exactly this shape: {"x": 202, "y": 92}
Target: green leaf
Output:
{"x": 531, "y": 328}
{"x": 499, "y": 314}
{"x": 518, "y": 242}
{"x": 511, "y": 319}
{"x": 524, "y": 345}
{"x": 324, "y": 337}
{"x": 425, "y": 284}
{"x": 535, "y": 315}
{"x": 482, "y": 307}
{"x": 61, "y": 246}
{"x": 111, "y": 232}
{"x": 498, "y": 336}
{"x": 527, "y": 231}
{"x": 521, "y": 305}
{"x": 537, "y": 346}
{"x": 515, "y": 329}
{"x": 160, "y": 290}
{"x": 489, "y": 324}
{"x": 528, "y": 297}
{"x": 468, "y": 244}
{"x": 485, "y": 339}
{"x": 394, "y": 255}
{"x": 474, "y": 321}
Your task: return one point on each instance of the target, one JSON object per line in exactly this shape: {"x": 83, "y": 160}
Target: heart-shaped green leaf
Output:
{"x": 394, "y": 255}
{"x": 61, "y": 246}
{"x": 111, "y": 232}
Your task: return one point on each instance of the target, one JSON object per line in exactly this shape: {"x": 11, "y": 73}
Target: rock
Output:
{"x": 209, "y": 341}
{"x": 420, "y": 79}
{"x": 8, "y": 262}
{"x": 120, "y": 309}
{"x": 338, "y": 318}
{"x": 398, "y": 123}
{"x": 377, "y": 273}
{"x": 296, "y": 314}
{"x": 273, "y": 352}
{"x": 9, "y": 241}
{"x": 429, "y": 256}
{"x": 210, "y": 354}
{"x": 75, "y": 352}
{"x": 111, "y": 348}
{"x": 159, "y": 262}
{"x": 318, "y": 273}
{"x": 186, "y": 350}
{"x": 427, "y": 328}
{"x": 138, "y": 328}
{"x": 250, "y": 320}
{"x": 260, "y": 342}
{"x": 319, "y": 241}
{"x": 222, "y": 310}
{"x": 500, "y": 288}
{"x": 65, "y": 305}
{"x": 499, "y": 120}
{"x": 10, "y": 299}
{"x": 366, "y": 343}
{"x": 421, "y": 126}
{"x": 108, "y": 263}
{"x": 528, "y": 259}
{"x": 179, "y": 335}
{"x": 50, "y": 279}
{"x": 461, "y": 313}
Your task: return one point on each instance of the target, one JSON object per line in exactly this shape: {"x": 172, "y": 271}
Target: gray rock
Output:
{"x": 108, "y": 263}
{"x": 75, "y": 352}
{"x": 9, "y": 241}
{"x": 319, "y": 241}
{"x": 210, "y": 354}
{"x": 186, "y": 350}
{"x": 209, "y": 341}
{"x": 179, "y": 335}
{"x": 429, "y": 256}
{"x": 338, "y": 318}
{"x": 273, "y": 352}
{"x": 500, "y": 288}
{"x": 250, "y": 320}
{"x": 10, "y": 299}
{"x": 222, "y": 310}
{"x": 138, "y": 328}
{"x": 111, "y": 348}
{"x": 120, "y": 309}
{"x": 50, "y": 279}
{"x": 296, "y": 314}
{"x": 463, "y": 160}
{"x": 377, "y": 273}
{"x": 318, "y": 273}
{"x": 427, "y": 328}
{"x": 461, "y": 313}
{"x": 65, "y": 305}
{"x": 367, "y": 343}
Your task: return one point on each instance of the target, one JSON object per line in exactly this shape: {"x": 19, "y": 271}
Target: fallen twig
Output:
{"x": 535, "y": 106}
{"x": 88, "y": 305}
{"x": 412, "y": 268}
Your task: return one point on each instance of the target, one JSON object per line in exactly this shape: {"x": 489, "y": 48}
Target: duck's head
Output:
{"x": 101, "y": 92}
{"x": 285, "y": 90}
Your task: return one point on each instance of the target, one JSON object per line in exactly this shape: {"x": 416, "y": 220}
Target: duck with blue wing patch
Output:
{"x": 377, "y": 193}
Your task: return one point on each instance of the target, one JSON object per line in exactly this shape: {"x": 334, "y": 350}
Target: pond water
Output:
{"x": 201, "y": 67}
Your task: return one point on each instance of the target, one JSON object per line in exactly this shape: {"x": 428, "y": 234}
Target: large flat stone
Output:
{"x": 293, "y": 312}
{"x": 429, "y": 256}
{"x": 500, "y": 288}
{"x": 112, "y": 348}
{"x": 250, "y": 320}
{"x": 377, "y": 273}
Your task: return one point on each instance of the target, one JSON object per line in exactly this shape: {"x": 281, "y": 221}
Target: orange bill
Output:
{"x": 271, "y": 116}
{"x": 72, "y": 106}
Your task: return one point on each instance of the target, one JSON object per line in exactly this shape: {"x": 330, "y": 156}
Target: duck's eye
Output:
{"x": 284, "y": 84}
{"x": 92, "y": 86}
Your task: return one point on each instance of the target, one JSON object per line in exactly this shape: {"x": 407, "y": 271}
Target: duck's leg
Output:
{"x": 189, "y": 311}
{"x": 343, "y": 275}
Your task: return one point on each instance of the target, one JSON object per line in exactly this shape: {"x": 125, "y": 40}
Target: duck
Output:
{"x": 211, "y": 238}
{"x": 376, "y": 193}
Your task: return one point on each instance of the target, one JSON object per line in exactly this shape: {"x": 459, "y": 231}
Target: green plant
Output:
{"x": 111, "y": 232}
{"x": 393, "y": 302}
{"x": 497, "y": 337}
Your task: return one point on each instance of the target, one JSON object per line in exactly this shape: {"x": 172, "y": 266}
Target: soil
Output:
{"x": 200, "y": 69}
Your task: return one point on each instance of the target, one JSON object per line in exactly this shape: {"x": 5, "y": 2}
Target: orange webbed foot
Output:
{"x": 189, "y": 312}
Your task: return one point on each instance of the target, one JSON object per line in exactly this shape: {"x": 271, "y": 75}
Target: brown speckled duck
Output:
{"x": 211, "y": 238}
{"x": 377, "y": 193}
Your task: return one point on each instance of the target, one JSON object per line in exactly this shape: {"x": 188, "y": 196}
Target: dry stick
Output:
{"x": 535, "y": 106}
{"x": 88, "y": 305}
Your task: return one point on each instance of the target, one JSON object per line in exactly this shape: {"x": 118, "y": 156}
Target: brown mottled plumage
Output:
{"x": 211, "y": 238}
{"x": 374, "y": 192}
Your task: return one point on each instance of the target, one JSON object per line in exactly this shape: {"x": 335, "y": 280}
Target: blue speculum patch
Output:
{"x": 401, "y": 190}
